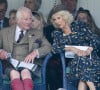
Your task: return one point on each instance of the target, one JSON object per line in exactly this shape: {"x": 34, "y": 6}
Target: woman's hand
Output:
{"x": 89, "y": 50}
{"x": 79, "y": 52}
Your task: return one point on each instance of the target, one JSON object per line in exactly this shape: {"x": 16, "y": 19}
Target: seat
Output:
{"x": 37, "y": 86}
{"x": 67, "y": 85}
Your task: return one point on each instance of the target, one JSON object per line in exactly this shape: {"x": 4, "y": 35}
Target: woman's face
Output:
{"x": 82, "y": 17}
{"x": 12, "y": 19}
{"x": 36, "y": 23}
{"x": 59, "y": 21}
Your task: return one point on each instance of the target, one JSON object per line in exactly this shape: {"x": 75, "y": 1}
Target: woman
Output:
{"x": 76, "y": 33}
{"x": 38, "y": 21}
{"x": 12, "y": 17}
{"x": 84, "y": 15}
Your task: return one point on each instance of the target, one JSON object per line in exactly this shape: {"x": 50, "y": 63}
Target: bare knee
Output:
{"x": 91, "y": 85}
{"x": 82, "y": 85}
{"x": 25, "y": 74}
{"x": 14, "y": 74}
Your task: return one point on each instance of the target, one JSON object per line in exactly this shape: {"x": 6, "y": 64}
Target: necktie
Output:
{"x": 20, "y": 36}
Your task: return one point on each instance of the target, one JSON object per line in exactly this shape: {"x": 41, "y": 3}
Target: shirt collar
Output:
{"x": 18, "y": 29}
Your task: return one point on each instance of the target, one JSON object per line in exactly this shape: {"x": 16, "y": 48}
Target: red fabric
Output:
{"x": 17, "y": 84}
{"x": 28, "y": 84}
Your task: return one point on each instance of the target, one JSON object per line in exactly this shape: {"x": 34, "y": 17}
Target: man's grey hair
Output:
{"x": 21, "y": 10}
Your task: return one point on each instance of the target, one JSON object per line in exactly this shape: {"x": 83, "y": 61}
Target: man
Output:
{"x": 71, "y": 5}
{"x": 34, "y": 5}
{"x": 24, "y": 44}
{"x": 4, "y": 21}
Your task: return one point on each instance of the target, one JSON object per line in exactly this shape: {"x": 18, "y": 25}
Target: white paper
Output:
{"x": 70, "y": 54}
{"x": 78, "y": 47}
{"x": 16, "y": 64}
{"x": 27, "y": 65}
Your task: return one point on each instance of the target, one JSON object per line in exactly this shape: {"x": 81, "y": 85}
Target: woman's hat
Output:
{"x": 56, "y": 9}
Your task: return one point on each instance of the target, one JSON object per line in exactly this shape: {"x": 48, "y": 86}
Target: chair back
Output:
{"x": 42, "y": 85}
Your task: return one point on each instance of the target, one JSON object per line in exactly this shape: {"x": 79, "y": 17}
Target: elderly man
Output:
{"x": 24, "y": 44}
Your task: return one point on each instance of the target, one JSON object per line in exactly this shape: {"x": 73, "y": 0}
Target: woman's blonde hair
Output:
{"x": 66, "y": 15}
{"x": 39, "y": 16}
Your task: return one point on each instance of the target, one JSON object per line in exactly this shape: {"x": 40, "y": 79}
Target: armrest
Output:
{"x": 46, "y": 60}
{"x": 62, "y": 56}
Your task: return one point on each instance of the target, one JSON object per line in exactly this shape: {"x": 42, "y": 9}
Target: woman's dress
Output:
{"x": 82, "y": 67}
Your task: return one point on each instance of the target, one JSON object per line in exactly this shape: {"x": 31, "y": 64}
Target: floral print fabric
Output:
{"x": 82, "y": 68}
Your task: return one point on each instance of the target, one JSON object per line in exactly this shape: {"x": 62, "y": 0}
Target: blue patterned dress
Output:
{"x": 82, "y": 68}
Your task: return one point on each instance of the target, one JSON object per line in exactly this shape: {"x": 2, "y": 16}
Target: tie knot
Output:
{"x": 20, "y": 36}
{"x": 21, "y": 31}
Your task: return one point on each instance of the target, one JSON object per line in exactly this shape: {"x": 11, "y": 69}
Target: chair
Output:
{"x": 66, "y": 83}
{"x": 69, "y": 85}
{"x": 37, "y": 86}
{"x": 42, "y": 85}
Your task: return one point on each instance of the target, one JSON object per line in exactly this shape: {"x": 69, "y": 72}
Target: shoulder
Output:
{"x": 78, "y": 23}
{"x": 8, "y": 29}
{"x": 6, "y": 19}
{"x": 79, "y": 26}
{"x": 57, "y": 31}
{"x": 36, "y": 33}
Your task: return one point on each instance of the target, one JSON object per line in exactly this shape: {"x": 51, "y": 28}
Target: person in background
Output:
{"x": 71, "y": 5}
{"x": 54, "y": 72}
{"x": 85, "y": 16}
{"x": 12, "y": 17}
{"x": 38, "y": 21}
{"x": 24, "y": 44}
{"x": 4, "y": 21}
{"x": 85, "y": 66}
{"x": 34, "y": 5}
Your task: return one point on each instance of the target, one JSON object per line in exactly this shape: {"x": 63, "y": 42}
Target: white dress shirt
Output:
{"x": 17, "y": 33}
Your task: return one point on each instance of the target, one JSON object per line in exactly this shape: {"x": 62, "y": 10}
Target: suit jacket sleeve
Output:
{"x": 45, "y": 47}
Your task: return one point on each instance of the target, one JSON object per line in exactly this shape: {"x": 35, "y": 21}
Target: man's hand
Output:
{"x": 3, "y": 54}
{"x": 30, "y": 58}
